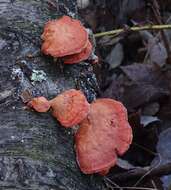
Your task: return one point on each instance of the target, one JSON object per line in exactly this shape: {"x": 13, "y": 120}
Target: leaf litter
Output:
{"x": 134, "y": 69}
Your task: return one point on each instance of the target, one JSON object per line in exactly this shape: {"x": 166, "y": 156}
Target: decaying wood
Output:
{"x": 35, "y": 151}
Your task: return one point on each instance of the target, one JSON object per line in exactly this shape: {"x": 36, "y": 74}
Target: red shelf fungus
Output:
{"x": 64, "y": 36}
{"x": 40, "y": 104}
{"x": 70, "y": 107}
{"x": 102, "y": 135}
{"x": 76, "y": 58}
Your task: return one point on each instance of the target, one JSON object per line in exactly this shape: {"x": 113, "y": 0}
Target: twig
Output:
{"x": 144, "y": 148}
{"x": 161, "y": 170}
{"x": 106, "y": 179}
{"x": 157, "y": 16}
{"x": 153, "y": 183}
{"x": 134, "y": 29}
{"x": 136, "y": 188}
{"x": 149, "y": 171}
{"x": 115, "y": 186}
{"x": 152, "y": 168}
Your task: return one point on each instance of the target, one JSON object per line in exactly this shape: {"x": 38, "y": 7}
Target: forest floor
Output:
{"x": 135, "y": 68}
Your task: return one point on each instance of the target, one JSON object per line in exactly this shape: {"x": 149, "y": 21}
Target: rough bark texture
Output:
{"x": 35, "y": 151}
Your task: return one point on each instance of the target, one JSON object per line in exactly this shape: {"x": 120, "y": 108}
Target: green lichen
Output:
{"x": 38, "y": 76}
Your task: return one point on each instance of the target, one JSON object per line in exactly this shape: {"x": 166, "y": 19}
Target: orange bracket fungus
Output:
{"x": 66, "y": 37}
{"x": 70, "y": 107}
{"x": 40, "y": 104}
{"x": 104, "y": 130}
{"x": 103, "y": 134}
{"x": 76, "y": 58}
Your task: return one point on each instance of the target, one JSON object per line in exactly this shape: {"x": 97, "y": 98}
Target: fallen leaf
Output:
{"x": 124, "y": 164}
{"x": 82, "y": 4}
{"x": 155, "y": 49}
{"x": 115, "y": 57}
{"x": 164, "y": 149}
{"x": 140, "y": 85}
{"x": 151, "y": 109}
{"x": 145, "y": 120}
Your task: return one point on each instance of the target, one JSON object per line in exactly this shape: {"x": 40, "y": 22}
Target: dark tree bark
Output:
{"x": 35, "y": 151}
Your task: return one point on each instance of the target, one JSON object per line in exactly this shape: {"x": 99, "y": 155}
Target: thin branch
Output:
{"x": 161, "y": 170}
{"x": 153, "y": 183}
{"x": 157, "y": 16}
{"x": 107, "y": 180}
{"x": 115, "y": 186}
{"x": 149, "y": 171}
{"x": 146, "y": 149}
{"x": 134, "y": 28}
{"x": 136, "y": 188}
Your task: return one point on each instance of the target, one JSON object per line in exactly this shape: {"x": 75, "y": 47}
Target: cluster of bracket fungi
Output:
{"x": 66, "y": 38}
{"x": 104, "y": 131}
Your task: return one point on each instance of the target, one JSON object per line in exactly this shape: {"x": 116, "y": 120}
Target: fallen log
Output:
{"x": 35, "y": 151}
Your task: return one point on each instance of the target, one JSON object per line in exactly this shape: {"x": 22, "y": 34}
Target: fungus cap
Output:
{"x": 76, "y": 58}
{"x": 40, "y": 104}
{"x": 64, "y": 36}
{"x": 101, "y": 136}
{"x": 70, "y": 107}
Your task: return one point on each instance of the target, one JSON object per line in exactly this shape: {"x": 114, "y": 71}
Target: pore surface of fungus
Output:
{"x": 64, "y": 36}
{"x": 70, "y": 107}
{"x": 40, "y": 104}
{"x": 102, "y": 135}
